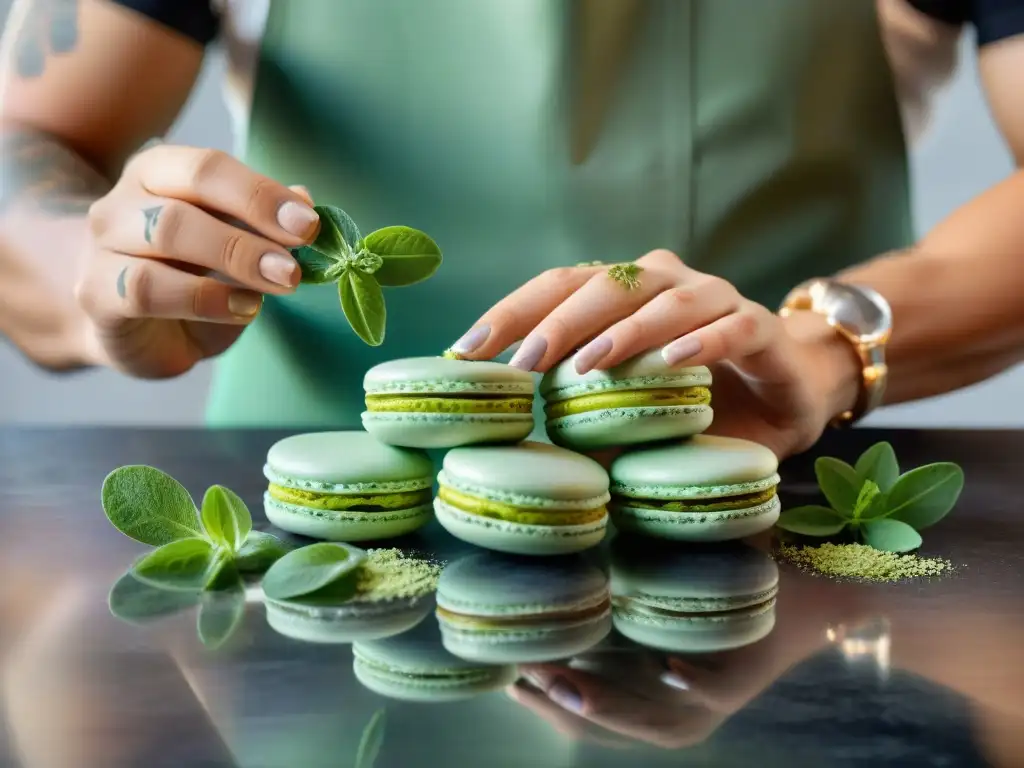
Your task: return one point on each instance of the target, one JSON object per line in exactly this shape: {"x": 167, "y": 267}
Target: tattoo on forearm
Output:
{"x": 38, "y": 169}
{"x": 152, "y": 215}
{"x": 51, "y": 28}
{"x": 122, "y": 289}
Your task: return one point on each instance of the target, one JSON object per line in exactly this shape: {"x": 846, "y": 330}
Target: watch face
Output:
{"x": 860, "y": 311}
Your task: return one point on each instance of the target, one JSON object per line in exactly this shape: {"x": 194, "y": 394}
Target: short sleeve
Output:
{"x": 193, "y": 18}
{"x": 993, "y": 20}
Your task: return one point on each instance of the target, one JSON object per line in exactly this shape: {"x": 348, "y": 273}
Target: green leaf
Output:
{"x": 891, "y": 536}
{"x": 878, "y": 464}
{"x": 305, "y": 570}
{"x": 136, "y": 602}
{"x": 220, "y": 615}
{"x": 313, "y": 264}
{"x": 839, "y": 482}
{"x": 923, "y": 496}
{"x": 811, "y": 520}
{"x": 338, "y": 233}
{"x": 363, "y": 303}
{"x": 149, "y": 505}
{"x": 867, "y": 499}
{"x": 410, "y": 256}
{"x": 225, "y": 517}
{"x": 372, "y": 741}
{"x": 259, "y": 552}
{"x": 186, "y": 564}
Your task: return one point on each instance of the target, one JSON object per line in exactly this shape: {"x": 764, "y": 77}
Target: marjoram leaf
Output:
{"x": 259, "y": 552}
{"x": 923, "y": 496}
{"x": 410, "y": 256}
{"x": 186, "y": 564}
{"x": 363, "y": 303}
{"x": 310, "y": 568}
{"x": 839, "y": 482}
{"x": 225, "y": 517}
{"x": 313, "y": 265}
{"x": 891, "y": 536}
{"x": 812, "y": 520}
{"x": 149, "y": 506}
{"x": 867, "y": 500}
{"x": 338, "y": 235}
{"x": 878, "y": 464}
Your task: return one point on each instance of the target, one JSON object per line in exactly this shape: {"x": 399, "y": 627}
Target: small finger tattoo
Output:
{"x": 152, "y": 215}
{"x": 122, "y": 289}
{"x": 626, "y": 275}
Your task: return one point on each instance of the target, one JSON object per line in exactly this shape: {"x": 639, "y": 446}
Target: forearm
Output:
{"x": 45, "y": 193}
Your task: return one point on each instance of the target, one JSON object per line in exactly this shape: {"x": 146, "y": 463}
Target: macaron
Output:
{"x": 437, "y": 402}
{"x": 714, "y": 597}
{"x": 347, "y": 486}
{"x": 639, "y": 401}
{"x": 414, "y": 666}
{"x": 322, "y": 620}
{"x": 532, "y": 498}
{"x": 705, "y": 488}
{"x": 497, "y": 608}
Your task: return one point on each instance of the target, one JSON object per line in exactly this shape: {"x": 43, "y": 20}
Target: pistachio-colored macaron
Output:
{"x": 705, "y": 488}
{"x": 640, "y": 401}
{"x": 532, "y": 498}
{"x": 436, "y": 402}
{"x": 347, "y": 486}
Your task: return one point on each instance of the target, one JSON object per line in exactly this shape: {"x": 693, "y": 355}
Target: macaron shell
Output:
{"x": 432, "y": 690}
{"x": 697, "y": 634}
{"x": 646, "y": 371}
{"x": 332, "y": 525}
{"x": 702, "y": 526}
{"x": 446, "y": 430}
{"x": 527, "y": 645}
{"x": 349, "y": 623}
{"x": 425, "y": 375}
{"x": 628, "y": 426}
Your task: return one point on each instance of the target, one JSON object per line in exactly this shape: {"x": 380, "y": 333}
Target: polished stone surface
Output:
{"x": 931, "y": 673}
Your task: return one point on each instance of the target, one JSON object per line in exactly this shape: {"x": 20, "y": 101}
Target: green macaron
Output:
{"x": 704, "y": 488}
{"x": 414, "y": 666}
{"x": 436, "y": 402}
{"x": 639, "y": 401}
{"x": 347, "y": 486}
{"x": 532, "y": 498}
{"x": 690, "y": 598}
{"x": 314, "y": 620}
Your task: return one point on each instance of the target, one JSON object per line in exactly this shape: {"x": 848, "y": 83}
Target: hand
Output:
{"x": 152, "y": 307}
{"x": 775, "y": 381}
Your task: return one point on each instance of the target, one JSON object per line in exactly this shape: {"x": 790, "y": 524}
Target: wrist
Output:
{"x": 834, "y": 368}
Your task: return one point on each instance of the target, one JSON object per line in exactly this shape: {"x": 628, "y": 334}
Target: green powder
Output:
{"x": 858, "y": 561}
{"x": 390, "y": 574}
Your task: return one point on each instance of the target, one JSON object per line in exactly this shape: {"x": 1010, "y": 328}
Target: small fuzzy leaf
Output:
{"x": 313, "y": 264}
{"x": 867, "y": 499}
{"x": 410, "y": 256}
{"x": 149, "y": 506}
{"x": 839, "y": 482}
{"x": 259, "y": 552}
{"x": 811, "y": 520}
{"x": 878, "y": 464}
{"x": 308, "y": 569}
{"x": 925, "y": 495}
{"x": 136, "y": 602}
{"x": 363, "y": 303}
{"x": 891, "y": 536}
{"x": 186, "y": 564}
{"x": 220, "y": 615}
{"x": 338, "y": 233}
{"x": 372, "y": 740}
{"x": 225, "y": 517}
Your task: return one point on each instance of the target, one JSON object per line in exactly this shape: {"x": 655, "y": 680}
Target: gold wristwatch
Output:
{"x": 862, "y": 317}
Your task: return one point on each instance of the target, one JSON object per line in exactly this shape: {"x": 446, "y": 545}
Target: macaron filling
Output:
{"x": 753, "y": 604}
{"x": 500, "y": 510}
{"x": 462, "y": 403}
{"x": 453, "y": 675}
{"x": 499, "y": 623}
{"x": 377, "y": 502}
{"x": 741, "y": 501}
{"x": 637, "y": 398}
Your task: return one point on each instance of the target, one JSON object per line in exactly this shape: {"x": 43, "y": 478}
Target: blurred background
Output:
{"x": 959, "y": 158}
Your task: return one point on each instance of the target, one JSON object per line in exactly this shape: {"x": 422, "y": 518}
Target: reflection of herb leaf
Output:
{"x": 187, "y": 564}
{"x": 136, "y": 602}
{"x": 225, "y": 517}
{"x": 149, "y": 505}
{"x": 220, "y": 615}
{"x": 308, "y": 569}
{"x": 259, "y": 552}
{"x": 409, "y": 256}
{"x": 372, "y": 741}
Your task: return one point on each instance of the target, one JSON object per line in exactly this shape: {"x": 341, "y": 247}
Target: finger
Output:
{"x": 126, "y": 287}
{"x": 518, "y": 313}
{"x": 303, "y": 192}
{"x": 221, "y": 184}
{"x": 698, "y": 300}
{"x": 748, "y": 331}
{"x": 171, "y": 229}
{"x": 569, "y": 725}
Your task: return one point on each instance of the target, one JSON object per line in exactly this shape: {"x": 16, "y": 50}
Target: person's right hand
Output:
{"x": 176, "y": 215}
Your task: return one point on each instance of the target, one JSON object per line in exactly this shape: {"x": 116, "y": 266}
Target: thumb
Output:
{"x": 301, "y": 190}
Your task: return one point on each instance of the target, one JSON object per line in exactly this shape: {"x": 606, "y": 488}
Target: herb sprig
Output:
{"x": 872, "y": 500}
{"x": 361, "y": 266}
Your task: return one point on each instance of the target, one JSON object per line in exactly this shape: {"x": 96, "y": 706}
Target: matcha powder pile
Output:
{"x": 858, "y": 561}
{"x": 390, "y": 574}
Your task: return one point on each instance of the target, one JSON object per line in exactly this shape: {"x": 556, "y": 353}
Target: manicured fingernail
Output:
{"x": 297, "y": 218}
{"x": 681, "y": 349}
{"x": 244, "y": 303}
{"x": 472, "y": 340}
{"x": 592, "y": 354}
{"x": 672, "y": 680}
{"x": 565, "y": 696}
{"x": 530, "y": 353}
{"x": 280, "y": 269}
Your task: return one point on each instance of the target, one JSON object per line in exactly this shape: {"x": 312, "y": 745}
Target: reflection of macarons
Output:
{"x": 639, "y": 401}
{"x": 531, "y": 498}
{"x": 414, "y": 666}
{"x": 347, "y": 486}
{"x": 703, "y": 489}
{"x": 326, "y": 621}
{"x": 497, "y": 608}
{"x": 696, "y": 600}
{"x": 434, "y": 402}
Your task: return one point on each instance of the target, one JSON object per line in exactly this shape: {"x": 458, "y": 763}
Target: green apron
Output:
{"x": 758, "y": 139}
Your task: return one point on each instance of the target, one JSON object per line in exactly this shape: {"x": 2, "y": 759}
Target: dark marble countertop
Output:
{"x": 934, "y": 674}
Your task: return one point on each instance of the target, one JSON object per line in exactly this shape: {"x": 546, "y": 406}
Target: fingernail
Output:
{"x": 530, "y": 353}
{"x": 592, "y": 354}
{"x": 304, "y": 191}
{"x": 244, "y": 303}
{"x": 681, "y": 349}
{"x": 472, "y": 340}
{"x": 672, "y": 680}
{"x": 297, "y": 218}
{"x": 278, "y": 268}
{"x": 565, "y": 696}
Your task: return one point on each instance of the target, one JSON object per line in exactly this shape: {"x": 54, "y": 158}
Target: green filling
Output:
{"x": 633, "y": 398}
{"x": 352, "y": 503}
{"x": 500, "y": 511}
{"x": 463, "y": 403}
{"x": 702, "y": 505}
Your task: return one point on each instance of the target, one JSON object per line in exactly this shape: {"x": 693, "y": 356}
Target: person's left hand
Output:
{"x": 776, "y": 381}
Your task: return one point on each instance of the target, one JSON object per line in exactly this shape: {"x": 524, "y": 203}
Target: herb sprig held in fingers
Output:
{"x": 881, "y": 507}
{"x": 390, "y": 257}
